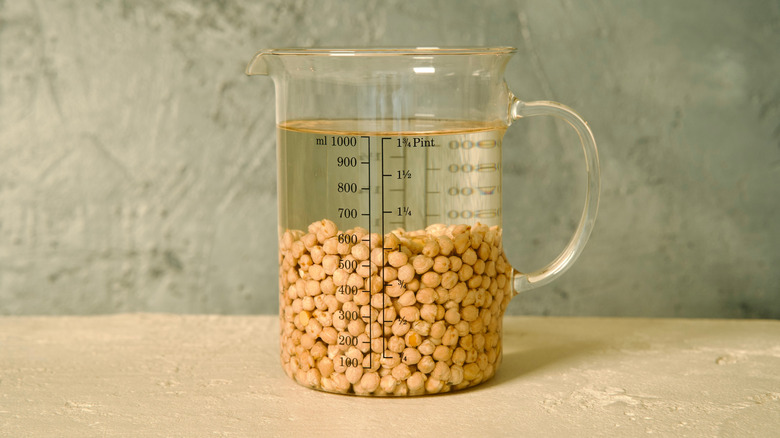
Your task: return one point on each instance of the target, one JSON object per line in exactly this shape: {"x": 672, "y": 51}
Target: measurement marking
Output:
{"x": 386, "y": 211}
{"x": 370, "y": 284}
{"x": 366, "y": 214}
{"x": 397, "y": 222}
{"x": 365, "y": 162}
{"x": 382, "y": 164}
{"x": 432, "y": 215}
{"x": 387, "y": 174}
{"x": 433, "y": 168}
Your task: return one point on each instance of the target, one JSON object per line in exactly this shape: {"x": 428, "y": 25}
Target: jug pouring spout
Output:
{"x": 258, "y": 65}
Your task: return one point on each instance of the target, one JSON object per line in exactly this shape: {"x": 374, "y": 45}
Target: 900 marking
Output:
{"x": 346, "y": 161}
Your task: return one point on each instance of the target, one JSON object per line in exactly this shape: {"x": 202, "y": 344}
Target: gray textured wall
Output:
{"x": 137, "y": 166}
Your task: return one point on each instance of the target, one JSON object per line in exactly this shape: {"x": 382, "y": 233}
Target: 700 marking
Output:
{"x": 348, "y": 213}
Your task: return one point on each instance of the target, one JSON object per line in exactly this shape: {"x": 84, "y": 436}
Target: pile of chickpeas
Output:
{"x": 407, "y": 313}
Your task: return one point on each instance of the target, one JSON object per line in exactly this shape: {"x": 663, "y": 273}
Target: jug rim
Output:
{"x": 390, "y": 51}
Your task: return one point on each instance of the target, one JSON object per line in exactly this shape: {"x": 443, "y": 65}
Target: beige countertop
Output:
{"x": 219, "y": 376}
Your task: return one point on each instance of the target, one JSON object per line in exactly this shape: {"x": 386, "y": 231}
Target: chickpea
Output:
{"x": 456, "y": 374}
{"x": 397, "y": 259}
{"x": 465, "y": 273}
{"x": 422, "y": 264}
{"x": 428, "y": 303}
{"x": 316, "y": 254}
{"x": 388, "y": 383}
{"x": 408, "y": 298}
{"x": 400, "y": 328}
{"x": 377, "y": 257}
{"x": 470, "y": 371}
{"x": 445, "y": 245}
{"x": 401, "y": 372}
{"x": 452, "y": 316}
{"x": 479, "y": 267}
{"x": 396, "y": 344}
{"x": 369, "y": 382}
{"x": 431, "y": 279}
{"x": 442, "y": 353}
{"x": 395, "y": 289}
{"x": 410, "y": 314}
{"x": 412, "y": 338}
{"x": 441, "y": 371}
{"x": 427, "y": 347}
{"x": 426, "y": 364}
{"x": 390, "y": 359}
{"x": 450, "y": 336}
{"x": 329, "y": 335}
{"x": 354, "y": 374}
{"x": 458, "y": 357}
{"x": 469, "y": 313}
{"x": 469, "y": 256}
{"x": 416, "y": 381}
{"x": 461, "y": 242}
{"x": 455, "y": 263}
{"x": 431, "y": 248}
{"x": 411, "y": 356}
{"x": 449, "y": 279}
{"x": 437, "y": 329}
{"x": 428, "y": 312}
{"x": 422, "y": 327}
{"x": 391, "y": 241}
{"x": 426, "y": 296}
{"x": 433, "y": 385}
{"x": 325, "y": 365}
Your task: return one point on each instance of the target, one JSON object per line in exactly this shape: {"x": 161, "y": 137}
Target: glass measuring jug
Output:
{"x": 392, "y": 274}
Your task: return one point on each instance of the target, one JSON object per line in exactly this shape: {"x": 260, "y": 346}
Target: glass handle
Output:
{"x": 519, "y": 109}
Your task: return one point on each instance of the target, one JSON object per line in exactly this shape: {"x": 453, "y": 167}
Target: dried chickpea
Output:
{"x": 421, "y": 309}
{"x": 422, "y": 264}
{"x": 426, "y": 296}
{"x": 412, "y": 338}
{"x": 411, "y": 356}
{"x": 408, "y": 298}
{"x": 431, "y": 279}
{"x": 397, "y": 259}
{"x": 426, "y": 364}
{"x": 388, "y": 383}
{"x": 431, "y": 248}
{"x": 416, "y": 381}
{"x": 469, "y": 256}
